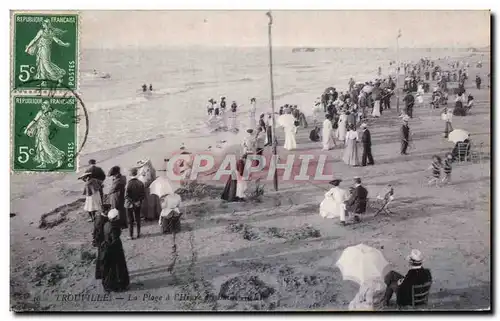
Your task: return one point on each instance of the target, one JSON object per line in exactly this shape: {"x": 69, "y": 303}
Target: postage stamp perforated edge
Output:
{"x": 29, "y": 91}
{"x": 61, "y": 171}
{"x": 58, "y": 92}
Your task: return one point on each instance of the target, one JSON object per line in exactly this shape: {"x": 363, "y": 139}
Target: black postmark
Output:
{"x": 58, "y": 90}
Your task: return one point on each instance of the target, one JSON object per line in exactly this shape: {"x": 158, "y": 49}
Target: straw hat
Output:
{"x": 364, "y": 125}
{"x": 415, "y": 257}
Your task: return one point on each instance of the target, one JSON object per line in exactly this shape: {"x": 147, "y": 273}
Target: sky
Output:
{"x": 360, "y": 29}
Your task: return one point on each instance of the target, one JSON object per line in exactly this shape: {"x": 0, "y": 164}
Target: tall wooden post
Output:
{"x": 275, "y": 147}
{"x": 397, "y": 70}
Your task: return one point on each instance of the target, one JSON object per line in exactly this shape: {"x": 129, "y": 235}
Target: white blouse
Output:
{"x": 352, "y": 134}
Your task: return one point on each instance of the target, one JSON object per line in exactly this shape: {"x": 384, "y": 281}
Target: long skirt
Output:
{"x": 329, "y": 208}
{"x": 447, "y": 129}
{"x": 241, "y": 187}
{"x": 115, "y": 275}
{"x": 93, "y": 203}
{"x": 229, "y": 193}
{"x": 290, "y": 142}
{"x": 376, "y": 109}
{"x": 351, "y": 156}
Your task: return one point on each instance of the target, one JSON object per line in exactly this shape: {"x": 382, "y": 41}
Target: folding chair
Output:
{"x": 463, "y": 152}
{"x": 385, "y": 205}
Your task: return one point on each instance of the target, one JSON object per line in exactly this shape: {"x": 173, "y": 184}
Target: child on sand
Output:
{"x": 447, "y": 169}
{"x": 436, "y": 170}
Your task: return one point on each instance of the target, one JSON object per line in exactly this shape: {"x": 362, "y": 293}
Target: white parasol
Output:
{"x": 362, "y": 262}
{"x": 367, "y": 89}
{"x": 458, "y": 135}
{"x": 162, "y": 186}
{"x": 286, "y": 120}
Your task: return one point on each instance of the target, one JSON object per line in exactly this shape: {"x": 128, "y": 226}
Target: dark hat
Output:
{"x": 114, "y": 170}
{"x": 335, "y": 182}
{"x": 249, "y": 130}
{"x": 92, "y": 162}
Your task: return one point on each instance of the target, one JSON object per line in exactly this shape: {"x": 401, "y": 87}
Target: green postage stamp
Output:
{"x": 45, "y": 51}
{"x": 44, "y": 134}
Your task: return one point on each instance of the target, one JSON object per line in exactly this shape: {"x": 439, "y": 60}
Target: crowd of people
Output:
{"x": 124, "y": 206}
{"x": 344, "y": 114}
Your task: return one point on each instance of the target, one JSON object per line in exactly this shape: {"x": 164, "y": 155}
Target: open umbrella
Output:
{"x": 367, "y": 89}
{"x": 162, "y": 186}
{"x": 362, "y": 262}
{"x": 458, "y": 135}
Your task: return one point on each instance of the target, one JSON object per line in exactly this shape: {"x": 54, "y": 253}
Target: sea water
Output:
{"x": 184, "y": 79}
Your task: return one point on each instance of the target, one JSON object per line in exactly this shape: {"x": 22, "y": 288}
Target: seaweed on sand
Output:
{"x": 245, "y": 288}
{"x": 195, "y": 190}
{"x": 48, "y": 275}
{"x": 61, "y": 212}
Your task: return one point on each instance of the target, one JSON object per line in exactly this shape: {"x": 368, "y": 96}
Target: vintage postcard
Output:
{"x": 250, "y": 160}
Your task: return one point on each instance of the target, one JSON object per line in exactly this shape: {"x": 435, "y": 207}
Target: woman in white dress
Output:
{"x": 93, "y": 201}
{"x": 328, "y": 133}
{"x": 351, "y": 147}
{"x": 287, "y": 121}
{"x": 334, "y": 203}
{"x": 342, "y": 126}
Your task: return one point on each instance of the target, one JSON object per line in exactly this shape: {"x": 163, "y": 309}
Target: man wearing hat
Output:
{"x": 134, "y": 195}
{"x": 357, "y": 201}
{"x": 366, "y": 139}
{"x": 402, "y": 285}
{"x": 405, "y": 135}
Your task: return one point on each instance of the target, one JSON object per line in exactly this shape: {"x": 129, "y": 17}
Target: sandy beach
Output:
{"x": 279, "y": 237}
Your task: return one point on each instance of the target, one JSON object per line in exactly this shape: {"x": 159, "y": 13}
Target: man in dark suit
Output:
{"x": 402, "y": 285}
{"x": 366, "y": 139}
{"x": 357, "y": 202}
{"x": 97, "y": 173}
{"x": 405, "y": 136}
{"x": 409, "y": 102}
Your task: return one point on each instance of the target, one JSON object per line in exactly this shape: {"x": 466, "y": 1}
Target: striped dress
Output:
{"x": 447, "y": 167}
{"x": 436, "y": 171}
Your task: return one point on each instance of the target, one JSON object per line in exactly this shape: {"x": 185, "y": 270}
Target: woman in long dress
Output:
{"x": 93, "y": 201}
{"x": 116, "y": 195}
{"x": 97, "y": 241}
{"x": 447, "y": 116}
{"x": 45, "y": 152}
{"x": 40, "y": 47}
{"x": 328, "y": 133}
{"x": 288, "y": 123}
{"x": 334, "y": 203}
{"x": 351, "y": 149}
{"x": 115, "y": 275}
{"x": 342, "y": 126}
